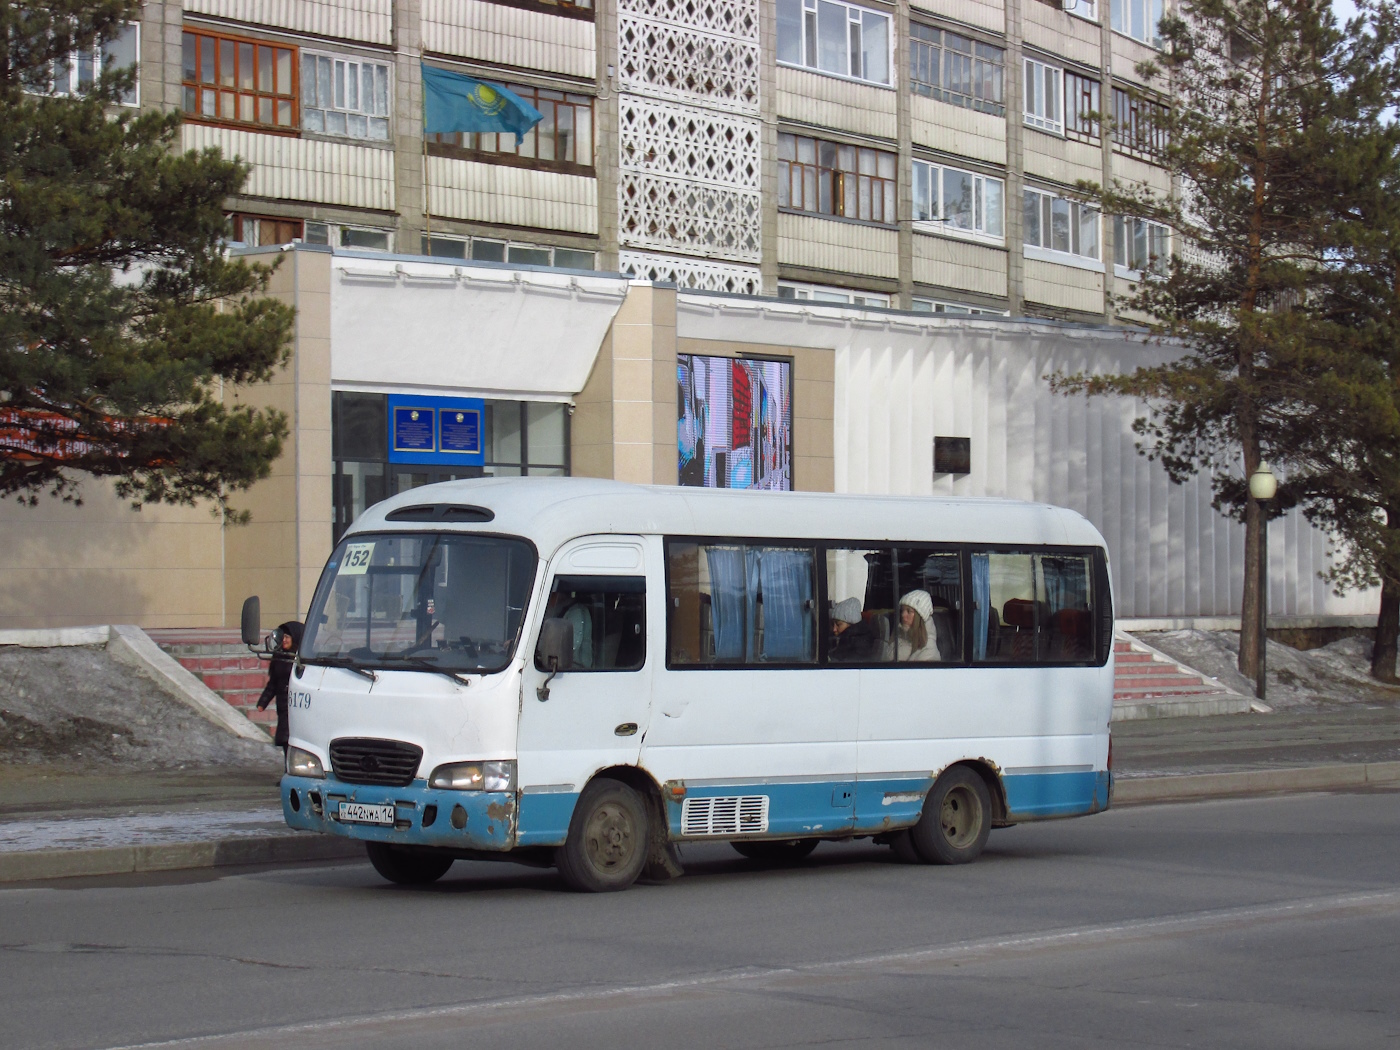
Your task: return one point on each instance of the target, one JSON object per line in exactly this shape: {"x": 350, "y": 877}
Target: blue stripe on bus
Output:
{"x": 1037, "y": 795}
{"x": 830, "y": 807}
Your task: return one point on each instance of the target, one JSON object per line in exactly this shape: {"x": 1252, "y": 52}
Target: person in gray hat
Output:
{"x": 914, "y": 640}
{"x": 853, "y": 640}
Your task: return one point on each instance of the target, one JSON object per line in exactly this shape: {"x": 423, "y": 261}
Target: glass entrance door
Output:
{"x": 406, "y": 476}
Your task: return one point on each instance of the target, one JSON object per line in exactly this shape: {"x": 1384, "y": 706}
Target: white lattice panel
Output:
{"x": 735, "y": 18}
{"x": 691, "y": 273}
{"x": 666, "y": 139}
{"x": 677, "y": 215}
{"x": 678, "y": 62}
{"x": 286, "y": 168}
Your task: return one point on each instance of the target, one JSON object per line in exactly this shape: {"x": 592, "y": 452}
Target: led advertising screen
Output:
{"x": 735, "y": 422}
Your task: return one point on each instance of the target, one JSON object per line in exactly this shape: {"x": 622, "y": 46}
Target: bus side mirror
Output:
{"x": 555, "y": 651}
{"x": 252, "y": 621}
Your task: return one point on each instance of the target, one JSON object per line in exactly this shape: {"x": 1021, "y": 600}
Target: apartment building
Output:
{"x": 918, "y": 155}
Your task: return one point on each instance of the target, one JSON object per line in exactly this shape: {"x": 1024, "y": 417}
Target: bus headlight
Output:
{"x": 304, "y": 764}
{"x": 474, "y": 776}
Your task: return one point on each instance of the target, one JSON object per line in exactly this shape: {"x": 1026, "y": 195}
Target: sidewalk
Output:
{"x": 54, "y": 825}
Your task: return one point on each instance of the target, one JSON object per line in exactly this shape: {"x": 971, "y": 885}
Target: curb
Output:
{"x": 174, "y": 856}
{"x": 1254, "y": 782}
{"x": 298, "y": 848}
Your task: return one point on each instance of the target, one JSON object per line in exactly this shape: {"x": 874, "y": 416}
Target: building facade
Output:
{"x": 917, "y": 155}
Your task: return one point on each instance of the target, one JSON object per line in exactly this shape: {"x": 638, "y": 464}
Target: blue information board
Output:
{"x": 447, "y": 431}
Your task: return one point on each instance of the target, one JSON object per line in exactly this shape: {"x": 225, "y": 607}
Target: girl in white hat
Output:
{"x": 914, "y": 641}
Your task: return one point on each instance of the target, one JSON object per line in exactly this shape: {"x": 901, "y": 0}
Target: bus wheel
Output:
{"x": 404, "y": 868}
{"x": 956, "y": 821}
{"x": 607, "y": 843}
{"x": 786, "y": 851}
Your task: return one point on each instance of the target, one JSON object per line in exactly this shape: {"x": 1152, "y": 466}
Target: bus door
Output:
{"x": 760, "y": 739}
{"x": 592, "y": 713}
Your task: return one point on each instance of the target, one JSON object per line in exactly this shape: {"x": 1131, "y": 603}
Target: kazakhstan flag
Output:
{"x": 457, "y": 102}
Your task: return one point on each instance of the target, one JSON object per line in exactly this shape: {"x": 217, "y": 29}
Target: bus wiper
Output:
{"x": 428, "y": 665}
{"x": 340, "y": 661}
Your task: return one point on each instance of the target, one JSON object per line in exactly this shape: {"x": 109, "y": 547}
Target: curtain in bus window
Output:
{"x": 1069, "y": 634}
{"x": 981, "y": 603}
{"x": 728, "y": 600}
{"x": 784, "y": 578}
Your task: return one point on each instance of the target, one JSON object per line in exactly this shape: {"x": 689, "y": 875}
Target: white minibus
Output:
{"x": 583, "y": 674}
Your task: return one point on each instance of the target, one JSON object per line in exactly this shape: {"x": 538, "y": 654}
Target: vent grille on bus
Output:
{"x": 364, "y": 760}
{"x": 732, "y": 815}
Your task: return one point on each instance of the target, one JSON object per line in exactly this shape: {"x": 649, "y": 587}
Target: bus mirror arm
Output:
{"x": 555, "y": 651}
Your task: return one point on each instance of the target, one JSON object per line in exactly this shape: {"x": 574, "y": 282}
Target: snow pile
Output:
{"x": 1334, "y": 675}
{"x": 75, "y": 706}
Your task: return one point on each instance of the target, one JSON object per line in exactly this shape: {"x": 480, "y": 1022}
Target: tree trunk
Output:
{"x": 1387, "y": 628}
{"x": 1249, "y": 604}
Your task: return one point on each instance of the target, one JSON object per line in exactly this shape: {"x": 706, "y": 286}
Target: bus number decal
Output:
{"x": 356, "y": 559}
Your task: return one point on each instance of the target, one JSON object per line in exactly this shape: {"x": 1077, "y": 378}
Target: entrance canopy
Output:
{"x": 466, "y": 328}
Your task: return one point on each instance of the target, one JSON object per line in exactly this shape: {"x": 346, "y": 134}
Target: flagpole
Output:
{"x": 427, "y": 183}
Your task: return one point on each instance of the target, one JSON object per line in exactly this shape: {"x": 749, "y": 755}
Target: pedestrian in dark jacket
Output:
{"x": 286, "y": 641}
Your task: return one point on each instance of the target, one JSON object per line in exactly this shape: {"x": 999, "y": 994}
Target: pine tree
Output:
{"x": 121, "y": 319}
{"x": 1264, "y": 94}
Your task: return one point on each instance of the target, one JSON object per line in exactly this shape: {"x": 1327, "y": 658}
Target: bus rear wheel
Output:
{"x": 785, "y": 851}
{"x": 406, "y": 869}
{"x": 607, "y": 844}
{"x": 956, "y": 820}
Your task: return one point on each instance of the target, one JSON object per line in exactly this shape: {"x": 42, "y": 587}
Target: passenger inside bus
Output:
{"x": 854, "y": 639}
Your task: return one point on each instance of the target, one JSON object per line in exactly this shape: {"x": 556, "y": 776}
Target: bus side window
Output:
{"x": 938, "y": 573}
{"x": 1032, "y": 608}
{"x": 740, "y": 604}
{"x": 608, "y": 617}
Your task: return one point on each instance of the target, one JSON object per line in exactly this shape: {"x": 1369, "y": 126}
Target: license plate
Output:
{"x": 359, "y": 813}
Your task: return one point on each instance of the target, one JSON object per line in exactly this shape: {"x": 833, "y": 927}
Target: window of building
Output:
{"x": 564, "y": 136}
{"x": 740, "y": 604}
{"x": 518, "y": 438}
{"x": 486, "y": 249}
{"x": 833, "y": 37}
{"x": 939, "y": 306}
{"x": 956, "y": 69}
{"x": 829, "y": 178}
{"x": 1059, "y": 226}
{"x": 344, "y": 96}
{"x": 950, "y": 200}
{"x": 242, "y": 81}
{"x": 1044, "y": 90}
{"x": 257, "y": 231}
{"x": 1138, "y": 19}
{"x": 1139, "y": 246}
{"x": 1033, "y": 608}
{"x": 608, "y": 618}
{"x": 818, "y": 294}
{"x": 1085, "y": 9}
{"x": 74, "y": 74}
{"x": 1081, "y": 107}
{"x": 364, "y": 238}
{"x": 1139, "y": 124}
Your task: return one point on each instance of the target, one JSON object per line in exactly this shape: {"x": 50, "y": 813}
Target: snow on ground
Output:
{"x": 1333, "y": 675}
{"x": 77, "y": 707}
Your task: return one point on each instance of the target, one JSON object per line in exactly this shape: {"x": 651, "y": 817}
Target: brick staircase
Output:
{"x": 1147, "y": 684}
{"x": 219, "y": 658}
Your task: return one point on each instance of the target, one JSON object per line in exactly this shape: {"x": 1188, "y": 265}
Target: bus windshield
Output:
{"x": 429, "y": 601}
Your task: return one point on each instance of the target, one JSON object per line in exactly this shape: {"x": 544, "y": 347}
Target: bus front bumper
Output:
{"x": 423, "y": 816}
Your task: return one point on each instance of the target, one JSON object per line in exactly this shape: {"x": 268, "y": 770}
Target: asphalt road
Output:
{"x": 1268, "y": 922}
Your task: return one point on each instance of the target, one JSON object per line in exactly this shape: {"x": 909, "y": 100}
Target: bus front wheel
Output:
{"x": 404, "y": 868}
{"x": 607, "y": 844}
{"x": 956, "y": 820}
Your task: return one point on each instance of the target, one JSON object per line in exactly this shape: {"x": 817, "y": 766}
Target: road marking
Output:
{"x": 335, "y": 1031}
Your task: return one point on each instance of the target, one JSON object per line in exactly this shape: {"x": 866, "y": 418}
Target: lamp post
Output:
{"x": 1262, "y": 487}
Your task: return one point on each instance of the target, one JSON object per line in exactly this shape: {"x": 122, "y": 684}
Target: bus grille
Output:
{"x": 732, "y": 815}
{"x": 364, "y": 760}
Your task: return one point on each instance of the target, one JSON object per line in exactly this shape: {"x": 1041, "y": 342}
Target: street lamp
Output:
{"x": 1262, "y": 488}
